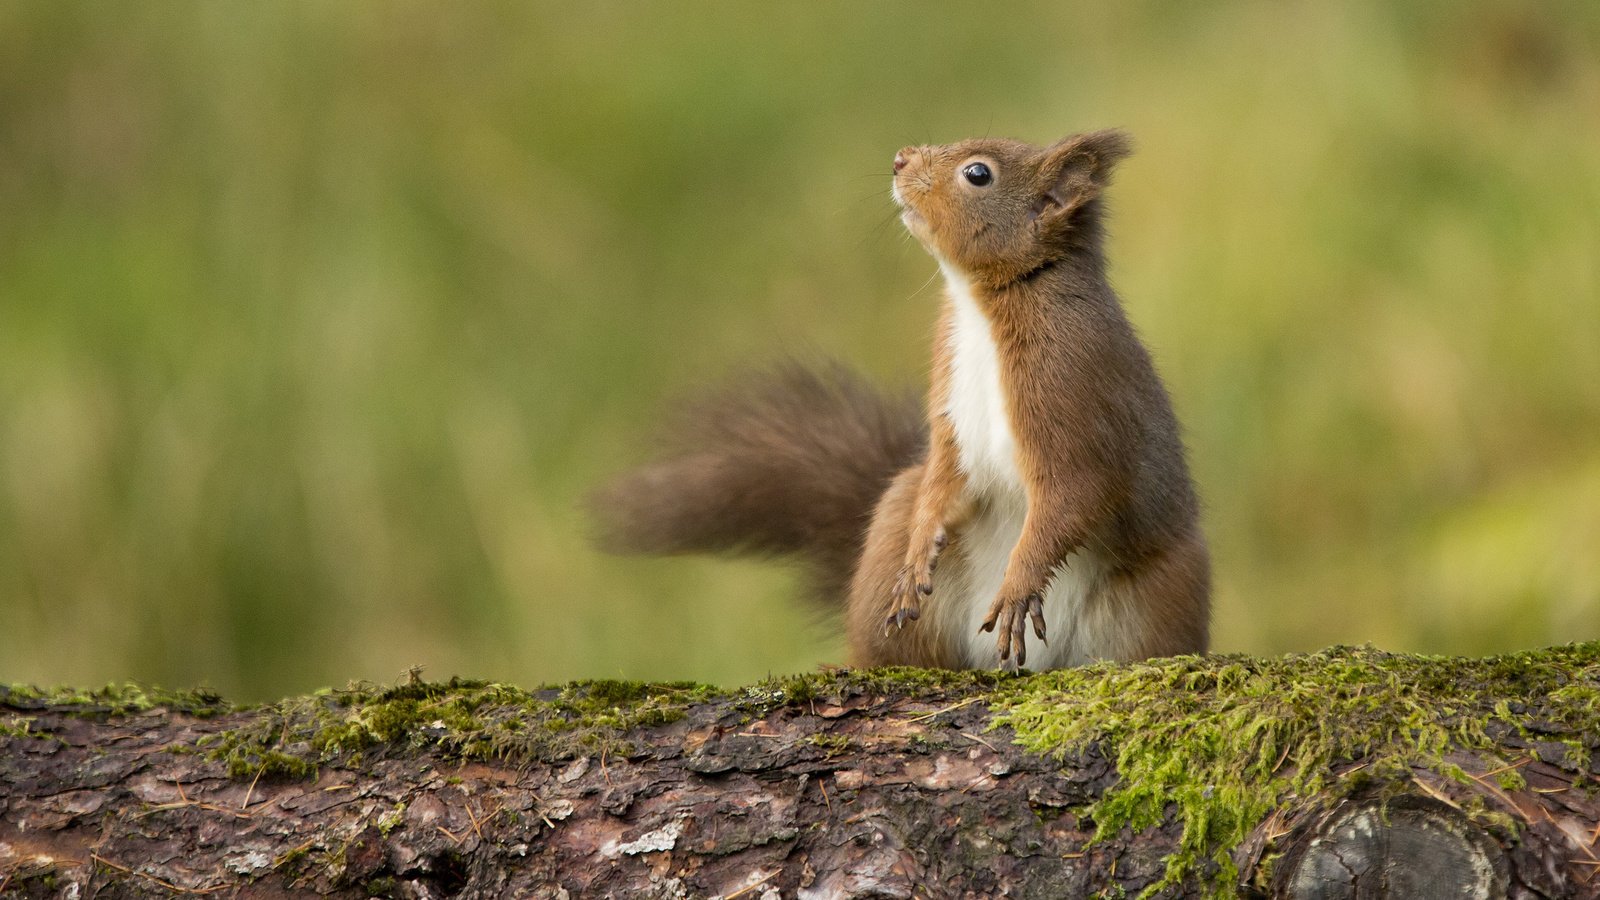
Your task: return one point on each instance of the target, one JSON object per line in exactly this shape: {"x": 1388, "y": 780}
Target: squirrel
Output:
{"x": 1045, "y": 486}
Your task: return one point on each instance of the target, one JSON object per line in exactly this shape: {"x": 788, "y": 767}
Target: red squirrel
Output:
{"x": 1045, "y": 488}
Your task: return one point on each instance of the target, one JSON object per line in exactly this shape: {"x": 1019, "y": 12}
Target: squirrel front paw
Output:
{"x": 1012, "y": 615}
{"x": 913, "y": 582}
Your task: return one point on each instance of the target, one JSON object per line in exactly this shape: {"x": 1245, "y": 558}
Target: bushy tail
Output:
{"x": 787, "y": 462}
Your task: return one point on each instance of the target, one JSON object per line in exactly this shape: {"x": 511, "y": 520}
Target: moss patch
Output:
{"x": 114, "y": 700}
{"x": 471, "y": 719}
{"x": 1225, "y": 738}
{"x": 484, "y": 720}
{"x": 19, "y": 727}
{"x": 897, "y": 681}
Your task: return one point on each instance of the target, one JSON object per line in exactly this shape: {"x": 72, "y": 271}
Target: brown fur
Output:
{"x": 800, "y": 463}
{"x": 784, "y": 462}
{"x": 1096, "y": 439}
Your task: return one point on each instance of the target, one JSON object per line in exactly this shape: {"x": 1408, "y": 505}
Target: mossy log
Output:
{"x": 1346, "y": 773}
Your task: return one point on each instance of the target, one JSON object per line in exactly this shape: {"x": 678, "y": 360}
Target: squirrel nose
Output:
{"x": 900, "y": 161}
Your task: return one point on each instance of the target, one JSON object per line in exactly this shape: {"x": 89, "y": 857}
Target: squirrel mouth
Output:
{"x": 908, "y": 214}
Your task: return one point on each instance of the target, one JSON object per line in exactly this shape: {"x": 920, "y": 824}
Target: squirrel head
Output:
{"x": 997, "y": 210}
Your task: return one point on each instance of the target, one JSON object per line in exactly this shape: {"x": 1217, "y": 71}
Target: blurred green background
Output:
{"x": 317, "y": 320}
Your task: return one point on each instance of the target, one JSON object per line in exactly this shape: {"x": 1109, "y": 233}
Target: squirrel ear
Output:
{"x": 1076, "y": 169}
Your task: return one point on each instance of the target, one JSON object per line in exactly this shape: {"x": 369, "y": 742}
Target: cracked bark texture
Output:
{"x": 857, "y": 793}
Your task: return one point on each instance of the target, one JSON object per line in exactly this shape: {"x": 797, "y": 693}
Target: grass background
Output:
{"x": 316, "y": 320}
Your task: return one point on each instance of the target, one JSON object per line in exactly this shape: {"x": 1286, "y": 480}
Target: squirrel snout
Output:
{"x": 902, "y": 159}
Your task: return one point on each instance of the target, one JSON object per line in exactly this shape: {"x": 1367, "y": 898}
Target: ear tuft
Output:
{"x": 1077, "y": 169}
{"x": 1109, "y": 146}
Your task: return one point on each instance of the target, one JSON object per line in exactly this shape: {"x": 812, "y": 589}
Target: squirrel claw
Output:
{"x": 914, "y": 582}
{"x": 1009, "y": 619}
{"x": 900, "y": 617}
{"x": 907, "y": 594}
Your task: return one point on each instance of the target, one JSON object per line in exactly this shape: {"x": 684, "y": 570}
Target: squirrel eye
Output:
{"x": 977, "y": 174}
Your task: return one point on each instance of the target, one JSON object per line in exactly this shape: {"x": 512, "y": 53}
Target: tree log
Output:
{"x": 1349, "y": 773}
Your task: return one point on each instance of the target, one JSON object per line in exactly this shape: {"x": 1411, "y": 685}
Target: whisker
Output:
{"x": 924, "y": 286}
{"x": 858, "y": 200}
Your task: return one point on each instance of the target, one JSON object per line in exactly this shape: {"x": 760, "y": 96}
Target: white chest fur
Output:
{"x": 977, "y": 408}
{"x": 980, "y": 416}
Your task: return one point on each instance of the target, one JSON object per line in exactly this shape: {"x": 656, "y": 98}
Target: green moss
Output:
{"x": 1224, "y": 739}
{"x": 114, "y": 699}
{"x": 471, "y": 719}
{"x": 18, "y": 727}
{"x": 484, "y": 720}
{"x": 292, "y": 858}
{"x": 899, "y": 681}
{"x": 1511, "y": 780}
{"x": 274, "y": 764}
{"x": 389, "y": 821}
{"x": 832, "y": 743}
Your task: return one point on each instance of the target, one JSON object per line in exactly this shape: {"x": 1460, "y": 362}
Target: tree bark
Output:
{"x": 852, "y": 787}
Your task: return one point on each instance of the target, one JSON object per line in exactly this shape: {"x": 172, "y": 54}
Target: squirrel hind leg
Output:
{"x": 1160, "y": 608}
{"x": 872, "y": 592}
